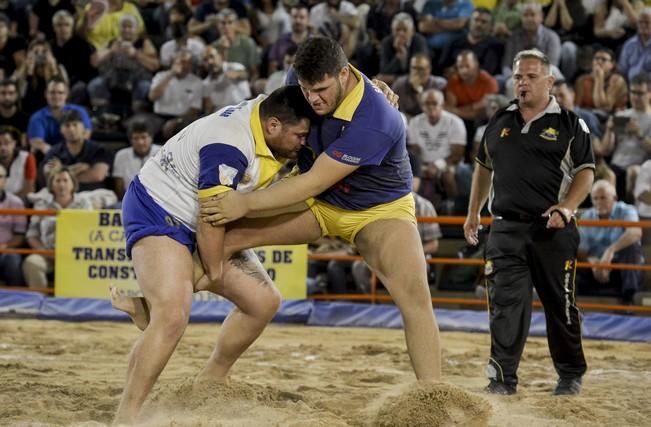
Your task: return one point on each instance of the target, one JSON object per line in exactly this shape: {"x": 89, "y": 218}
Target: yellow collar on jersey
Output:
{"x": 269, "y": 165}
{"x": 261, "y": 148}
{"x": 349, "y": 105}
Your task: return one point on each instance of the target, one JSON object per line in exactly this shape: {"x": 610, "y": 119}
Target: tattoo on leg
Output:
{"x": 244, "y": 261}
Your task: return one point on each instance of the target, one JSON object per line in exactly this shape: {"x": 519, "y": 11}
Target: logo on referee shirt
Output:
{"x": 504, "y": 132}
{"x": 550, "y": 134}
{"x": 227, "y": 174}
{"x": 488, "y": 267}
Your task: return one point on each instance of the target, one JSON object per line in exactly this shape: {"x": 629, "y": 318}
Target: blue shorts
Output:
{"x": 142, "y": 217}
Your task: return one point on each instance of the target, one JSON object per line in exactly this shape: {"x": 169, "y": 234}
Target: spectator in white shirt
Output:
{"x": 176, "y": 94}
{"x": 128, "y": 161}
{"x": 225, "y": 83}
{"x": 180, "y": 40}
{"x": 440, "y": 138}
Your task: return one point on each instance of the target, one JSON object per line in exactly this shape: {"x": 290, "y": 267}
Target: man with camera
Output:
{"x": 627, "y": 137}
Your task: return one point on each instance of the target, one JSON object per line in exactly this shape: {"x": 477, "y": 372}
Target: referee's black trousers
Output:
{"x": 520, "y": 255}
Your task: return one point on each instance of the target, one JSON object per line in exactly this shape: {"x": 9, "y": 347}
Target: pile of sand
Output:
{"x": 433, "y": 405}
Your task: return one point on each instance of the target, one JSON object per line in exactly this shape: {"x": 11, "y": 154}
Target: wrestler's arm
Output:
{"x": 325, "y": 173}
{"x": 298, "y": 207}
{"x": 210, "y": 245}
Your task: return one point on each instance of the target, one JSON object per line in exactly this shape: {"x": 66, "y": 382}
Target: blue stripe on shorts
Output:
{"x": 142, "y": 217}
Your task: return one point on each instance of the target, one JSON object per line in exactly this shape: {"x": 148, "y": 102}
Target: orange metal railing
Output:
{"x": 374, "y": 296}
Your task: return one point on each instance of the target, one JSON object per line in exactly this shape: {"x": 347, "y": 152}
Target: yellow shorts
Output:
{"x": 346, "y": 224}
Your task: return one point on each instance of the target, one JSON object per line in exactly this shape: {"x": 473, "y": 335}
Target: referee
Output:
{"x": 535, "y": 166}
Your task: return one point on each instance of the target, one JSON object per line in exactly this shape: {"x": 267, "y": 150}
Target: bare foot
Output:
{"x": 136, "y": 307}
{"x": 206, "y": 380}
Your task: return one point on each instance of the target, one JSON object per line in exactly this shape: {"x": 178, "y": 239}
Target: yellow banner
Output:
{"x": 91, "y": 255}
{"x": 287, "y": 267}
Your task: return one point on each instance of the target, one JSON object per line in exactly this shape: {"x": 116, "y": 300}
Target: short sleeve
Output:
{"x": 221, "y": 167}
{"x": 412, "y": 133}
{"x": 100, "y": 155}
{"x": 347, "y": 149}
{"x": 36, "y": 126}
{"x": 581, "y": 151}
{"x": 30, "y": 168}
{"x": 643, "y": 181}
{"x": 482, "y": 153}
{"x": 119, "y": 163}
{"x": 458, "y": 131}
{"x": 19, "y": 221}
{"x": 630, "y": 213}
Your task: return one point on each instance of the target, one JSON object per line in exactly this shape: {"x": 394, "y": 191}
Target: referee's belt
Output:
{"x": 522, "y": 218}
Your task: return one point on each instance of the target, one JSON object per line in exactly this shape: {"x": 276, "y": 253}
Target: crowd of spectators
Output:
{"x": 80, "y": 79}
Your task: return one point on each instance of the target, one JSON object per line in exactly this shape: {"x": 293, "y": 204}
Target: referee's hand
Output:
{"x": 471, "y": 229}
{"x": 558, "y": 216}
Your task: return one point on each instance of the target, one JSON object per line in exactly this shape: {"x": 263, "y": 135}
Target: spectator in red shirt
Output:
{"x": 20, "y": 165}
{"x": 468, "y": 87}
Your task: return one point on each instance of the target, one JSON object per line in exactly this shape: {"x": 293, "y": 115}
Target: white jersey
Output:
{"x": 223, "y": 151}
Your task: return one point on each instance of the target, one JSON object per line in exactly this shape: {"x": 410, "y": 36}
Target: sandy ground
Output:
{"x": 55, "y": 373}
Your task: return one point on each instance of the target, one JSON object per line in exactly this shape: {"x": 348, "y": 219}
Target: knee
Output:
{"x": 268, "y": 304}
{"x": 172, "y": 320}
{"x": 34, "y": 263}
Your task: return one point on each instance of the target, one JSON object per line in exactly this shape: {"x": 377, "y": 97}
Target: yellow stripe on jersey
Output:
{"x": 350, "y": 103}
{"x": 269, "y": 165}
{"x": 213, "y": 191}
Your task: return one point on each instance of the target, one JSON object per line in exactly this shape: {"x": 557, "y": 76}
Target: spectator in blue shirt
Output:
{"x": 43, "y": 127}
{"x": 606, "y": 245}
{"x": 635, "y": 57}
{"x": 443, "y": 20}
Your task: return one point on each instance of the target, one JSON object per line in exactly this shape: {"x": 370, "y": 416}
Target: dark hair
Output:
{"x": 482, "y": 10}
{"x": 299, "y": 5}
{"x": 641, "y": 79}
{"x": 287, "y": 104}
{"x": 610, "y": 52}
{"x": 318, "y": 57}
{"x": 8, "y": 82}
{"x": 422, "y": 55}
{"x": 69, "y": 116}
{"x": 291, "y": 51}
{"x": 178, "y": 30}
{"x": 4, "y": 19}
{"x": 138, "y": 126}
{"x": 468, "y": 52}
{"x": 8, "y": 130}
{"x": 57, "y": 79}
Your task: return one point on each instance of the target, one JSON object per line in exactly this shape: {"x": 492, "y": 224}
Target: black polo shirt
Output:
{"x": 91, "y": 153}
{"x": 533, "y": 164}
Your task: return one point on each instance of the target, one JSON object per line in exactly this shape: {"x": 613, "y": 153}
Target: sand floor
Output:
{"x": 57, "y": 373}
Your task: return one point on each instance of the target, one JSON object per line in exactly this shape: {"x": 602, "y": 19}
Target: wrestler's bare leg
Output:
{"x": 246, "y": 284}
{"x": 287, "y": 229}
{"x": 138, "y": 308}
{"x": 393, "y": 249}
{"x": 164, "y": 271}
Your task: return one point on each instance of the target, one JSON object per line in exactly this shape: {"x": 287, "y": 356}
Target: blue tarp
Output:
{"x": 20, "y": 303}
{"x": 318, "y": 313}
